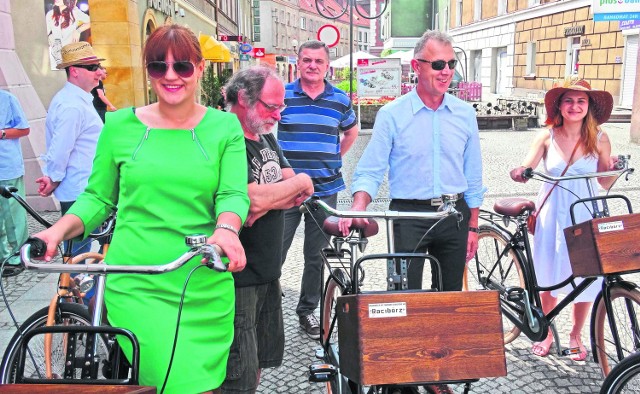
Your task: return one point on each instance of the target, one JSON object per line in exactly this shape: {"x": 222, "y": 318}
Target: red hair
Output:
{"x": 178, "y": 40}
{"x": 66, "y": 14}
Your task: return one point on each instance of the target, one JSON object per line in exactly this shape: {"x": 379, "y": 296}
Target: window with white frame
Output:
{"x": 574, "y": 56}
{"x": 303, "y": 23}
{"x": 530, "y": 66}
{"x": 533, "y": 2}
{"x": 477, "y": 10}
{"x": 502, "y": 7}
{"x": 459, "y": 13}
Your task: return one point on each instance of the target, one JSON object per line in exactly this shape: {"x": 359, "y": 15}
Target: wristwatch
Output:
{"x": 4, "y": 135}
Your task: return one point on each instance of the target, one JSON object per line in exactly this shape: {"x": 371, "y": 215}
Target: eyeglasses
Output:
{"x": 273, "y": 108}
{"x": 89, "y": 67}
{"x": 158, "y": 69}
{"x": 439, "y": 64}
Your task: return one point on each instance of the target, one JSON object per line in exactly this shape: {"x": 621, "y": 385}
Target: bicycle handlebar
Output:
{"x": 622, "y": 167}
{"x": 35, "y": 247}
{"x": 530, "y": 173}
{"x": 447, "y": 208}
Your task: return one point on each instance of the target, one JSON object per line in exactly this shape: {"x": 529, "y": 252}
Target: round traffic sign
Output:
{"x": 329, "y": 34}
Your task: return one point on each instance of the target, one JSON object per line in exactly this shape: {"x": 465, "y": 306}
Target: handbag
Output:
{"x": 533, "y": 216}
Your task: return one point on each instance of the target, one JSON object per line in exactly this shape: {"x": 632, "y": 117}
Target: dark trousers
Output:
{"x": 314, "y": 241}
{"x": 447, "y": 242}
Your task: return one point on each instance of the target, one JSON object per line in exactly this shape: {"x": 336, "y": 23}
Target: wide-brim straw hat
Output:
{"x": 77, "y": 53}
{"x": 601, "y": 103}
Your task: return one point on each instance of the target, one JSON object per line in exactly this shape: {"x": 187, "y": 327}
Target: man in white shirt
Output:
{"x": 72, "y": 128}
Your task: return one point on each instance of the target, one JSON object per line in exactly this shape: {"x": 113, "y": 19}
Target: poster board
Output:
{"x": 379, "y": 77}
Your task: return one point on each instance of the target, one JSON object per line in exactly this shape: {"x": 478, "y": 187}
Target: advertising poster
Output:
{"x": 67, "y": 21}
{"x": 615, "y": 10}
{"x": 379, "y": 77}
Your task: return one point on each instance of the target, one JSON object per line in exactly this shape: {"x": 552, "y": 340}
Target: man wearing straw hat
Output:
{"x": 72, "y": 128}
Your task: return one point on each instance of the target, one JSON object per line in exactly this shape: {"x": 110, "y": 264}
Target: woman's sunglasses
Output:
{"x": 158, "y": 69}
{"x": 438, "y": 65}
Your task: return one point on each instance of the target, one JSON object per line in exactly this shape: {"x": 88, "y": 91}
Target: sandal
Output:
{"x": 579, "y": 352}
{"x": 438, "y": 389}
{"x": 541, "y": 349}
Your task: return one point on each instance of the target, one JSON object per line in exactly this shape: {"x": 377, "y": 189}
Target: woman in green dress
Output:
{"x": 171, "y": 168}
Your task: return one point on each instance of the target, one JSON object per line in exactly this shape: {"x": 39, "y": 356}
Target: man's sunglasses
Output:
{"x": 439, "y": 64}
{"x": 89, "y": 67}
{"x": 158, "y": 69}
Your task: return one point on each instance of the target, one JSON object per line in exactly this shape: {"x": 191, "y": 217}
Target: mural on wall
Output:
{"x": 67, "y": 21}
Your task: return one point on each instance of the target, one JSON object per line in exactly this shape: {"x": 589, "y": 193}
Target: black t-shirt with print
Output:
{"x": 262, "y": 242}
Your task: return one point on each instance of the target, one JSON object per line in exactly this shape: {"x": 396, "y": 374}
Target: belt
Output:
{"x": 434, "y": 202}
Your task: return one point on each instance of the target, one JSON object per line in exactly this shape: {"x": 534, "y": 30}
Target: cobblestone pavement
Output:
{"x": 502, "y": 150}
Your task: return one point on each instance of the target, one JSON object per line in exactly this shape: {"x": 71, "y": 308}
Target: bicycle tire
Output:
{"x": 69, "y": 314}
{"x": 624, "y": 377}
{"x": 508, "y": 270}
{"x": 626, "y": 308}
{"x": 329, "y": 338}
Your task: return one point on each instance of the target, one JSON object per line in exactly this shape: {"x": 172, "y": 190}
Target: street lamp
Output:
{"x": 294, "y": 44}
{"x": 331, "y": 13}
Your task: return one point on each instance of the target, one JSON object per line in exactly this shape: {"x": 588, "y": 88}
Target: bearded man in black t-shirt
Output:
{"x": 256, "y": 96}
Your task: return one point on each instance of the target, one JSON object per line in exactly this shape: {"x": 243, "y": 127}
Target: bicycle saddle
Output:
{"x": 514, "y": 206}
{"x": 330, "y": 226}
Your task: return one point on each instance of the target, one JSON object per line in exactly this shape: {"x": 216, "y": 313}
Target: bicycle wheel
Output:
{"x": 338, "y": 384}
{"x": 69, "y": 314}
{"x": 624, "y": 378}
{"x": 493, "y": 269}
{"x": 625, "y": 304}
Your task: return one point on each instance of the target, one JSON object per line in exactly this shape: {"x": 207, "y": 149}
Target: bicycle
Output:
{"x": 624, "y": 377}
{"x": 504, "y": 263}
{"x": 84, "y": 345}
{"x": 68, "y": 304}
{"x": 350, "y": 370}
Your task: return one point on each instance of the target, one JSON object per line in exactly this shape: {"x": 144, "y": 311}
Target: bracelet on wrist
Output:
{"x": 474, "y": 229}
{"x": 228, "y": 227}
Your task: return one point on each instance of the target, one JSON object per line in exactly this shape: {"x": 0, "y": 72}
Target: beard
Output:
{"x": 257, "y": 125}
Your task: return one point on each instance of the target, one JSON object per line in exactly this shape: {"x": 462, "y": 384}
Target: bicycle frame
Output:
{"x": 523, "y": 307}
{"x": 197, "y": 246}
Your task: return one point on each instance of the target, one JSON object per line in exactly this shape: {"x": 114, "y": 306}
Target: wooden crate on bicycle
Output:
{"x": 418, "y": 336}
{"x": 604, "y": 245}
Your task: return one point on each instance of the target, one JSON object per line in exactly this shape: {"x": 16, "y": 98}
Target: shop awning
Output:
{"x": 213, "y": 50}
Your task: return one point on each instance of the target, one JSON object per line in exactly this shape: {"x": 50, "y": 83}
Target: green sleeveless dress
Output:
{"x": 167, "y": 184}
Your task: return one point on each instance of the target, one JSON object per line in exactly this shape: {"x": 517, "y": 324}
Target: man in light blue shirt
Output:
{"x": 72, "y": 128}
{"x": 429, "y": 141}
{"x": 13, "y": 219}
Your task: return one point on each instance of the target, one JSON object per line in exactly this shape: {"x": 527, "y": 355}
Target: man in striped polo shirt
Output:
{"x": 317, "y": 128}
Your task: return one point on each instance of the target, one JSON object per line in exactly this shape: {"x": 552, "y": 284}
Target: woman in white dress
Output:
{"x": 65, "y": 24}
{"x": 574, "y": 114}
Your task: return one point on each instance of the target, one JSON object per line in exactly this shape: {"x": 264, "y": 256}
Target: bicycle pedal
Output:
{"x": 570, "y": 351}
{"x": 321, "y": 372}
{"x": 514, "y": 294}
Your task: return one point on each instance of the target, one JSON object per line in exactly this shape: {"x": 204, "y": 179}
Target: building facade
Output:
{"x": 118, "y": 30}
{"x": 280, "y": 26}
{"x": 523, "y": 47}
